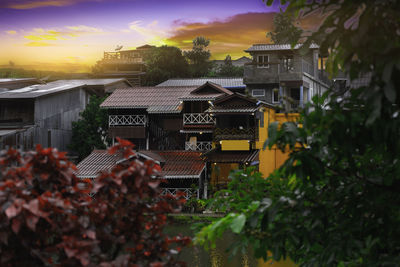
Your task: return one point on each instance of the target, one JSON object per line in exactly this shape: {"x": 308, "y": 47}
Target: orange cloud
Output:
{"x": 235, "y": 34}
{"x": 29, "y": 4}
{"x": 230, "y": 36}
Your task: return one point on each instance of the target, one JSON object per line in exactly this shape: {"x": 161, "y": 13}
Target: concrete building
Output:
{"x": 279, "y": 72}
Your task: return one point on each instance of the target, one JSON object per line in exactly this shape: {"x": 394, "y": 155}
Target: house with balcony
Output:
{"x": 127, "y": 64}
{"x": 279, "y": 72}
{"x": 235, "y": 135}
{"x": 164, "y": 118}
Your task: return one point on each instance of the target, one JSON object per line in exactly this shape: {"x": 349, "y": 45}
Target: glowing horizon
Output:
{"x": 72, "y": 35}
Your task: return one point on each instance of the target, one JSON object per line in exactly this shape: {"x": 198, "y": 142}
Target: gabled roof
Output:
{"x": 232, "y": 82}
{"x": 207, "y": 91}
{"x": 205, "y": 88}
{"x": 153, "y": 99}
{"x": 275, "y": 47}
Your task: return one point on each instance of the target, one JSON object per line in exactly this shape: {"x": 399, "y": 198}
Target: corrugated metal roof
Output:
{"x": 154, "y": 99}
{"x": 8, "y": 80}
{"x": 97, "y": 161}
{"x": 39, "y": 90}
{"x": 275, "y": 47}
{"x": 224, "y": 82}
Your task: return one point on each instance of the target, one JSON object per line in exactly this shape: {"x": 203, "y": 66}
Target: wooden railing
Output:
{"x": 198, "y": 118}
{"x": 198, "y": 146}
{"x": 189, "y": 192}
{"x": 234, "y": 134}
{"x": 127, "y": 120}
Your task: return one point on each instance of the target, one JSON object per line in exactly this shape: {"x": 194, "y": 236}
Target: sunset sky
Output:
{"x": 72, "y": 34}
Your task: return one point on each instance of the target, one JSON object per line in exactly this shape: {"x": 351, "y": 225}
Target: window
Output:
{"x": 275, "y": 95}
{"x": 262, "y": 61}
{"x": 258, "y": 92}
{"x": 288, "y": 63}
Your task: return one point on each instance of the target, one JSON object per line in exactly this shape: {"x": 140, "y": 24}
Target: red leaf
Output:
{"x": 147, "y": 253}
{"x": 31, "y": 222}
{"x": 12, "y": 211}
{"x": 16, "y": 225}
{"x": 91, "y": 234}
{"x": 33, "y": 207}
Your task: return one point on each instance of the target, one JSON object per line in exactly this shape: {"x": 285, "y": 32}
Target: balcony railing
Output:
{"x": 235, "y": 134}
{"x": 198, "y": 146}
{"x": 197, "y": 119}
{"x": 127, "y": 120}
{"x": 296, "y": 66}
{"x": 189, "y": 192}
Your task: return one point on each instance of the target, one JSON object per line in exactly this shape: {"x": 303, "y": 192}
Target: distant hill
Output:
{"x": 40, "y": 74}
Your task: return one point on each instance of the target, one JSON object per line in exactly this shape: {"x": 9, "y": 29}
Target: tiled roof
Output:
{"x": 154, "y": 99}
{"x": 97, "y": 161}
{"x": 194, "y": 97}
{"x": 231, "y": 156}
{"x": 231, "y": 109}
{"x": 181, "y": 164}
{"x": 224, "y": 82}
{"x": 175, "y": 164}
{"x": 275, "y": 47}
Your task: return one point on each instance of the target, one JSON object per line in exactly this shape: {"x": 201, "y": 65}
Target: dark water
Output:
{"x": 196, "y": 256}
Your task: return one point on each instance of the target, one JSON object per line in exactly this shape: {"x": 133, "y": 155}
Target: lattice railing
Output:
{"x": 133, "y": 120}
{"x": 189, "y": 192}
{"x": 234, "y": 133}
{"x": 198, "y": 118}
{"x": 200, "y": 146}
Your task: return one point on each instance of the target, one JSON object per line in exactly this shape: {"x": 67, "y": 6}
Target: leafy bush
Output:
{"x": 244, "y": 187}
{"x": 46, "y": 219}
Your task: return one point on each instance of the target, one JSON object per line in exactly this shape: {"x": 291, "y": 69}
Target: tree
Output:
{"x": 229, "y": 70}
{"x": 163, "y": 63}
{"x": 47, "y": 220}
{"x": 284, "y": 32}
{"x": 335, "y": 200}
{"x": 90, "y": 130}
{"x": 199, "y": 57}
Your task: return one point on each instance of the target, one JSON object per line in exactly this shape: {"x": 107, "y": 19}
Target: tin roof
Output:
{"x": 233, "y": 82}
{"x": 154, "y": 99}
{"x": 275, "y": 47}
{"x": 97, "y": 161}
{"x": 39, "y": 90}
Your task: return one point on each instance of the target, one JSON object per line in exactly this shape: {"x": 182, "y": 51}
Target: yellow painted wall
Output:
{"x": 271, "y": 159}
{"x": 235, "y": 145}
{"x": 220, "y": 172}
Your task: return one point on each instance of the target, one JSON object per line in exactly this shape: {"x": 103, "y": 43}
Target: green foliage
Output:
{"x": 244, "y": 187}
{"x": 284, "y": 31}
{"x": 335, "y": 201}
{"x": 90, "y": 131}
{"x": 199, "y": 57}
{"x": 163, "y": 63}
{"x": 229, "y": 70}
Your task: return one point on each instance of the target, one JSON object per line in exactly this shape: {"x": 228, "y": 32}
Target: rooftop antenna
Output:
{"x": 119, "y": 47}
